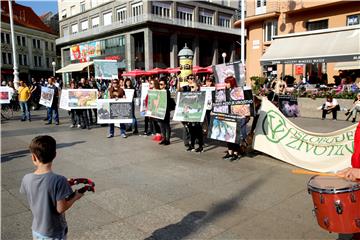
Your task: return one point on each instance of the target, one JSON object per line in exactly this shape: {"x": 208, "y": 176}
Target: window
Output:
{"x": 205, "y": 17}
{"x": 65, "y": 31}
{"x": 270, "y": 30}
{"x": 20, "y": 59}
{"x": 23, "y": 41}
{"x": 9, "y": 58}
{"x": 34, "y": 43}
{"x": 74, "y": 28}
{"x": 161, "y": 9}
{"x": 107, "y": 18}
{"x": 63, "y": 13}
{"x": 25, "y": 60}
{"x": 93, "y": 3}
{"x": 95, "y": 22}
{"x": 46, "y": 45}
{"x": 137, "y": 9}
{"x": 35, "y": 61}
{"x": 38, "y": 43}
{"x": 84, "y": 25}
{"x": 2, "y": 37}
{"x": 4, "y": 58}
{"x": 72, "y": 10}
{"x": 224, "y": 21}
{"x": 52, "y": 46}
{"x": 47, "y": 62}
{"x": 353, "y": 20}
{"x": 121, "y": 14}
{"x": 18, "y": 38}
{"x": 184, "y": 13}
{"x": 5, "y": 38}
{"x": 317, "y": 25}
{"x": 260, "y": 7}
{"x": 82, "y": 6}
{"x": 40, "y": 62}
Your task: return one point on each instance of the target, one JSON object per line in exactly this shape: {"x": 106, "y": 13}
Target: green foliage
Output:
{"x": 257, "y": 83}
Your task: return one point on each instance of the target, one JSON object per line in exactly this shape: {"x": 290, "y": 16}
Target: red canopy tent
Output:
{"x": 173, "y": 70}
{"x": 198, "y": 69}
{"x": 135, "y": 73}
{"x": 157, "y": 71}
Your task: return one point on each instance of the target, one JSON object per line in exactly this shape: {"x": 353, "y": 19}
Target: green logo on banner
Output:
{"x": 274, "y": 127}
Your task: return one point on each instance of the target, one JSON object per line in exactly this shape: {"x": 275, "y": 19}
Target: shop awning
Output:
{"x": 74, "y": 67}
{"x": 335, "y": 45}
{"x": 354, "y": 65}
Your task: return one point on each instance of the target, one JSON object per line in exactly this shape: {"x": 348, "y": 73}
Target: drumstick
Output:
{"x": 301, "y": 171}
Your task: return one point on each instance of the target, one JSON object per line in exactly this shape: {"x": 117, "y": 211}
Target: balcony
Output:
{"x": 139, "y": 20}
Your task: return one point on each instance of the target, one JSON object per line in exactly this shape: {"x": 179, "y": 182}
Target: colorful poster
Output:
{"x": 278, "y": 137}
{"x": 186, "y": 70}
{"x": 82, "y": 51}
{"x": 235, "y": 69}
{"x": 144, "y": 92}
{"x": 157, "y": 103}
{"x": 5, "y": 95}
{"x": 237, "y": 102}
{"x": 226, "y": 129}
{"x": 190, "y": 107}
{"x": 288, "y": 105}
{"x": 208, "y": 97}
{"x": 82, "y": 98}
{"x": 75, "y": 52}
{"x": 47, "y": 96}
{"x": 64, "y": 98}
{"x": 106, "y": 69}
{"x": 114, "y": 111}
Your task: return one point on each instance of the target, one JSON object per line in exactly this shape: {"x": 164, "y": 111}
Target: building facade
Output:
{"x": 268, "y": 19}
{"x": 147, "y": 34}
{"x": 34, "y": 41}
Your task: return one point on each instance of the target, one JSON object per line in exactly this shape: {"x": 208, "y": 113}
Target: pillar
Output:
{"x": 148, "y": 48}
{"x": 173, "y": 51}
{"x": 215, "y": 52}
{"x": 196, "y": 49}
{"x": 129, "y": 52}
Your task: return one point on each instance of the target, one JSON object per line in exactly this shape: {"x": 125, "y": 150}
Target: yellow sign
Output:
{"x": 186, "y": 70}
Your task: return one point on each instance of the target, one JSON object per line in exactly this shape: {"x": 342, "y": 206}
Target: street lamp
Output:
{"x": 223, "y": 56}
{"x": 53, "y": 65}
{"x": 88, "y": 67}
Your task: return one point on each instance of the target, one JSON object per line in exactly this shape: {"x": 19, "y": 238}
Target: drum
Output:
{"x": 336, "y": 203}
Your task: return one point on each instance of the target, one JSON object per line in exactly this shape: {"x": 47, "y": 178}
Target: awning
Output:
{"x": 74, "y": 67}
{"x": 347, "y": 65}
{"x": 335, "y": 45}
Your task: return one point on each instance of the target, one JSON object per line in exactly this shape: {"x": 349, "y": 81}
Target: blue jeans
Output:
{"x": 49, "y": 114}
{"x": 25, "y": 110}
{"x": 39, "y": 236}
{"x": 112, "y": 128}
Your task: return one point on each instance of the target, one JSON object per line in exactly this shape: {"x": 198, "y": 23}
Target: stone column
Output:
{"x": 215, "y": 52}
{"x": 232, "y": 53}
{"x": 148, "y": 48}
{"x": 129, "y": 52}
{"x": 173, "y": 51}
{"x": 196, "y": 49}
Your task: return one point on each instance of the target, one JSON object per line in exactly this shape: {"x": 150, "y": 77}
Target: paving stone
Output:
{"x": 13, "y": 205}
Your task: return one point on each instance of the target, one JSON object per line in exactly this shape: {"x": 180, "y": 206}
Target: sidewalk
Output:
{"x": 147, "y": 191}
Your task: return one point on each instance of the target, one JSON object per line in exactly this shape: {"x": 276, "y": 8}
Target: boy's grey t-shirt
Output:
{"x": 42, "y": 192}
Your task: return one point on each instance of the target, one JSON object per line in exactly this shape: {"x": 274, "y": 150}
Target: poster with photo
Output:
{"x": 208, "y": 97}
{"x": 82, "y": 98}
{"x": 46, "y": 97}
{"x": 5, "y": 95}
{"x": 157, "y": 103}
{"x": 114, "y": 111}
{"x": 64, "y": 98}
{"x": 288, "y": 105}
{"x": 144, "y": 92}
{"x": 236, "y": 69}
{"x": 226, "y": 129}
{"x": 106, "y": 69}
{"x": 190, "y": 107}
{"x": 129, "y": 93}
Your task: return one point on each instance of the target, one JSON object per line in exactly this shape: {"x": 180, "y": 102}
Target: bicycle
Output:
{"x": 8, "y": 109}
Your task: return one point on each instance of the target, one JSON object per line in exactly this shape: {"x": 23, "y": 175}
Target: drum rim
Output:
{"x": 333, "y": 190}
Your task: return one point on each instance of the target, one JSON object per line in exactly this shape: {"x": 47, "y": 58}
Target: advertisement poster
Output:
{"x": 236, "y": 69}
{"x": 82, "y": 51}
{"x": 190, "y": 107}
{"x": 185, "y": 70}
{"x": 208, "y": 97}
{"x": 114, "y": 111}
{"x": 106, "y": 69}
{"x": 82, "y": 98}
{"x": 144, "y": 92}
{"x": 5, "y": 95}
{"x": 64, "y": 99}
{"x": 288, "y": 105}
{"x": 280, "y": 138}
{"x": 157, "y": 103}
{"x": 236, "y": 102}
{"x": 225, "y": 129}
{"x": 47, "y": 96}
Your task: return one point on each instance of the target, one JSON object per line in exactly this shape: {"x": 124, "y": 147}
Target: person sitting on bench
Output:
{"x": 330, "y": 106}
{"x": 354, "y": 109}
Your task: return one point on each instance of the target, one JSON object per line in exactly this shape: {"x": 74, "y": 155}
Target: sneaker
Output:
{"x": 72, "y": 126}
{"x": 110, "y": 136}
{"x": 227, "y": 156}
{"x": 334, "y": 119}
{"x": 48, "y": 123}
{"x": 123, "y": 135}
{"x": 234, "y": 157}
{"x": 167, "y": 143}
{"x": 135, "y": 132}
{"x": 162, "y": 142}
{"x": 199, "y": 150}
{"x": 78, "y": 126}
{"x": 57, "y": 123}
{"x": 23, "y": 120}
{"x": 189, "y": 149}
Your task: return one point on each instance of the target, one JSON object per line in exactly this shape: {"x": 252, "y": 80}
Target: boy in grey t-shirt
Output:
{"x": 47, "y": 192}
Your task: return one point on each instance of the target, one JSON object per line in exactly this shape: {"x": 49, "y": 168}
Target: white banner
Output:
{"x": 114, "y": 111}
{"x": 64, "y": 99}
{"x": 278, "y": 137}
{"x": 47, "y": 96}
{"x": 5, "y": 94}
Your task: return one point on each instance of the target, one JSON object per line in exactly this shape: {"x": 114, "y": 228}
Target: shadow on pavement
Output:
{"x": 194, "y": 221}
{"x": 21, "y": 153}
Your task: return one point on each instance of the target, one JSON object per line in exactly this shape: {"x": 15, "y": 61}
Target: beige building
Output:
{"x": 301, "y": 38}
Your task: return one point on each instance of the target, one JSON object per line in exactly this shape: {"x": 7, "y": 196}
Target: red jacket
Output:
{"x": 355, "y": 159}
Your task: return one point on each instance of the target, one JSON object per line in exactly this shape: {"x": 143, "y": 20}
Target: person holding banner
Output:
{"x": 115, "y": 91}
{"x": 165, "y": 123}
{"x": 54, "y": 106}
{"x": 24, "y": 96}
{"x": 129, "y": 85}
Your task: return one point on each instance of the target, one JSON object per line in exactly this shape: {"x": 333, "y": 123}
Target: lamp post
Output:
{"x": 88, "y": 67}
{"x": 53, "y": 65}
{"x": 16, "y": 73}
{"x": 223, "y": 56}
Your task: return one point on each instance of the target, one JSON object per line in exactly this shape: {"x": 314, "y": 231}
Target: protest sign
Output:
{"x": 144, "y": 92}
{"x": 64, "y": 98}
{"x": 82, "y": 98}
{"x": 223, "y": 128}
{"x": 114, "y": 111}
{"x": 129, "y": 93}
{"x": 190, "y": 107}
{"x": 46, "y": 97}
{"x": 208, "y": 96}
{"x": 288, "y": 105}
{"x": 106, "y": 69}
{"x": 5, "y": 95}
{"x": 278, "y": 137}
{"x": 157, "y": 103}
{"x": 235, "y": 69}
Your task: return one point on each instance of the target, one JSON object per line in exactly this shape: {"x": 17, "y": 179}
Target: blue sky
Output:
{"x": 41, "y": 6}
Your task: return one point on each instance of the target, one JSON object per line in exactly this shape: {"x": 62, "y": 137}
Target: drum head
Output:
{"x": 325, "y": 184}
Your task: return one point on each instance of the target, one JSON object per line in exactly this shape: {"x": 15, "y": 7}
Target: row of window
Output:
{"x": 23, "y": 60}
{"x": 21, "y": 41}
